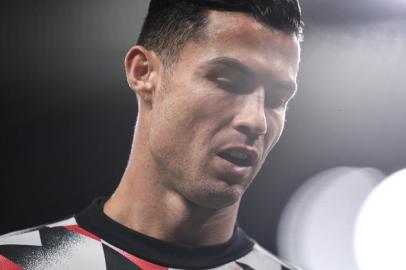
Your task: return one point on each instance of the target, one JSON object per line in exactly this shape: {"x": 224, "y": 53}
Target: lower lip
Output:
{"x": 231, "y": 169}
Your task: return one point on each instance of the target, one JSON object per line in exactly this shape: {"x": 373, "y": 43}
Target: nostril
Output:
{"x": 251, "y": 133}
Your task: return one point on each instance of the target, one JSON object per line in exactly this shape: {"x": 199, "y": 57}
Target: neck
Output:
{"x": 142, "y": 203}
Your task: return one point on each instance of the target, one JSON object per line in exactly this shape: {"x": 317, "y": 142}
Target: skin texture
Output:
{"x": 230, "y": 89}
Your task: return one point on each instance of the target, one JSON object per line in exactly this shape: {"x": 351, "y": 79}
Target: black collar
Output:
{"x": 157, "y": 251}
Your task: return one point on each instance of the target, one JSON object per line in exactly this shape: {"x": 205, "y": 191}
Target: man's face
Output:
{"x": 222, "y": 109}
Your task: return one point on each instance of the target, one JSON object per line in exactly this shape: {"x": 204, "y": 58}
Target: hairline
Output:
{"x": 169, "y": 62}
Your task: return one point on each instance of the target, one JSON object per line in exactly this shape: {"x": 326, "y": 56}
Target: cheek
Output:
{"x": 276, "y": 122}
{"x": 175, "y": 124}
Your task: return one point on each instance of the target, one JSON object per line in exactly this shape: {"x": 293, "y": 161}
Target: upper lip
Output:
{"x": 250, "y": 151}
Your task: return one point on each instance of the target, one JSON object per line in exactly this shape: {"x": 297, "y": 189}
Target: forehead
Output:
{"x": 239, "y": 36}
{"x": 227, "y": 26}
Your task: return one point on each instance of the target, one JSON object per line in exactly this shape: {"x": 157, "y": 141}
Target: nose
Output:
{"x": 251, "y": 118}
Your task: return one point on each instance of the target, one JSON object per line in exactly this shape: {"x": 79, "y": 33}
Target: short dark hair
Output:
{"x": 169, "y": 24}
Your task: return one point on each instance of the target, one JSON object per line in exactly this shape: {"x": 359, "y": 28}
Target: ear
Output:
{"x": 142, "y": 69}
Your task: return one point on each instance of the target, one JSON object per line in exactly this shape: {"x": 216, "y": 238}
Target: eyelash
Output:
{"x": 231, "y": 85}
{"x": 273, "y": 102}
{"x": 278, "y": 102}
{"x": 226, "y": 84}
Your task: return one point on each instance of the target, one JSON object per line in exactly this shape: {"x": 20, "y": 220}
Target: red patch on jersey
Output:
{"x": 6, "y": 264}
{"x": 144, "y": 265}
{"x": 82, "y": 231}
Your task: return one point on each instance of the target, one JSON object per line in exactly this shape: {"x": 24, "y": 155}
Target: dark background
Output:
{"x": 68, "y": 114}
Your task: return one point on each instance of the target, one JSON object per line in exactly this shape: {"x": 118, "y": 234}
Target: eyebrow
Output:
{"x": 232, "y": 64}
{"x": 237, "y": 65}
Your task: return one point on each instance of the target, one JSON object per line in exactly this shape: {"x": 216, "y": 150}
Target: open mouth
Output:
{"x": 238, "y": 157}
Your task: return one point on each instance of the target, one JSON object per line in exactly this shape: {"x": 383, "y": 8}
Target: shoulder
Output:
{"x": 23, "y": 248}
{"x": 259, "y": 258}
{"x": 25, "y": 236}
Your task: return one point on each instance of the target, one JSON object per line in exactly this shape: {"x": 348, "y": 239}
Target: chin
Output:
{"x": 219, "y": 198}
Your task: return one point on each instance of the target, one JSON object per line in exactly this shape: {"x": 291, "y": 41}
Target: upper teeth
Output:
{"x": 238, "y": 154}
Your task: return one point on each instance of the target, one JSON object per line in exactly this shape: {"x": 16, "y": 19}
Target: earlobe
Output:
{"x": 139, "y": 69}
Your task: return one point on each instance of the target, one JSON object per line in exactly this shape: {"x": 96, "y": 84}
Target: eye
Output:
{"x": 228, "y": 80}
{"x": 278, "y": 99}
{"x": 238, "y": 86}
{"x": 226, "y": 84}
{"x": 276, "y": 103}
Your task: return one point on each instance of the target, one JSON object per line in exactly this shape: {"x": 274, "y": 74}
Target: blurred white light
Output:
{"x": 317, "y": 225}
{"x": 380, "y": 234}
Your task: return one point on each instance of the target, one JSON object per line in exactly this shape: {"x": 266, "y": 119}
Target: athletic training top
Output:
{"x": 91, "y": 240}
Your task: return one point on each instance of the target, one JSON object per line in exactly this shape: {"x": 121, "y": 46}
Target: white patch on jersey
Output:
{"x": 80, "y": 253}
{"x": 259, "y": 259}
{"x": 267, "y": 253}
{"x": 28, "y": 239}
{"x": 66, "y": 222}
{"x": 228, "y": 266}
